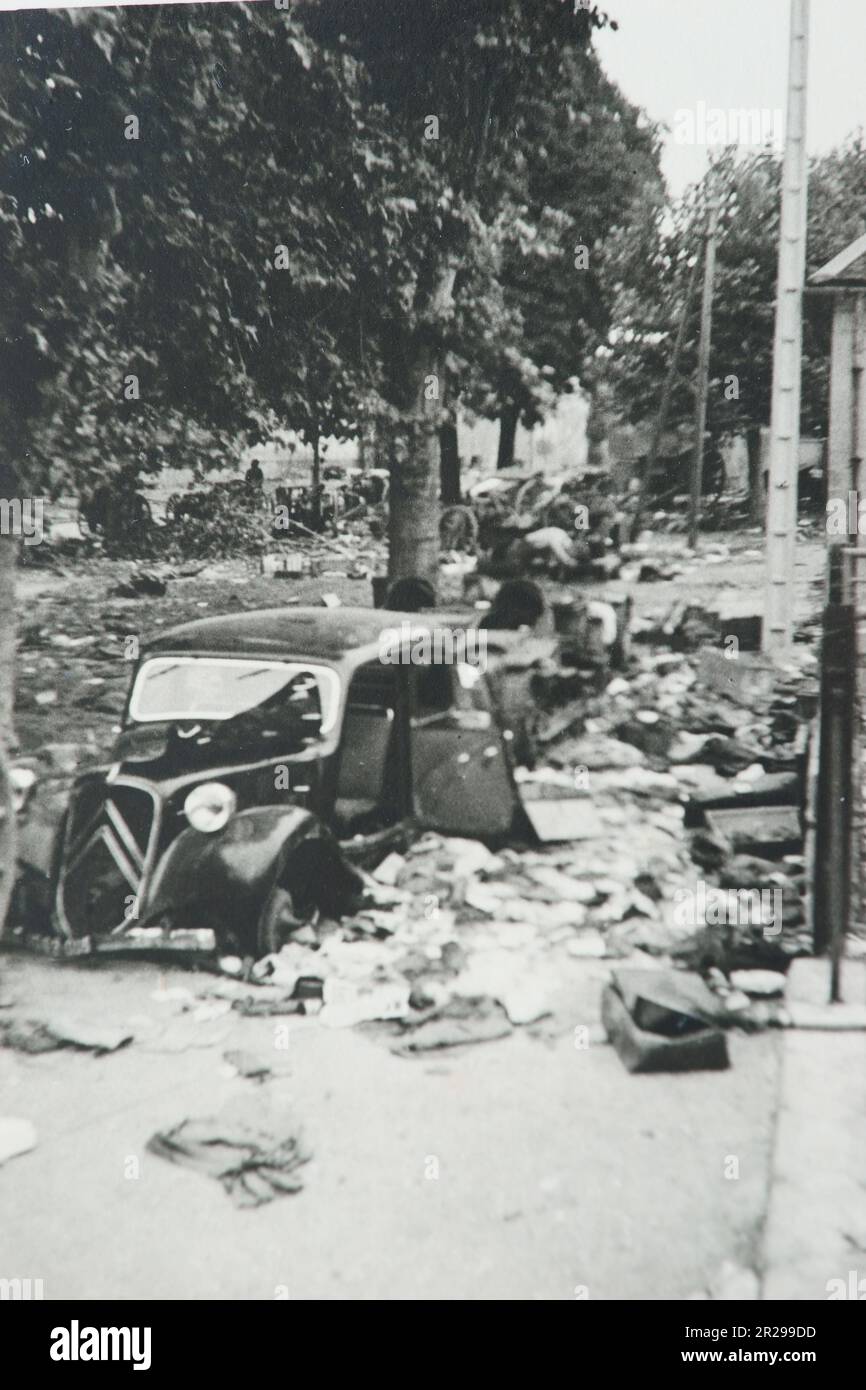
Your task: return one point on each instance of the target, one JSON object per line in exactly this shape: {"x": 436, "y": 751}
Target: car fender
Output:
{"x": 230, "y": 873}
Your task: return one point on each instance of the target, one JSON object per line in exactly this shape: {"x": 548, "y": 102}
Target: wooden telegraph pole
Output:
{"x": 785, "y": 413}
{"x": 710, "y": 239}
{"x": 661, "y": 421}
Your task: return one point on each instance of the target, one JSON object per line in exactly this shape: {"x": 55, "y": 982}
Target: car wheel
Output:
{"x": 277, "y": 920}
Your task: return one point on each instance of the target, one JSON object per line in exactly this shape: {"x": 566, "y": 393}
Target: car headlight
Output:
{"x": 210, "y": 806}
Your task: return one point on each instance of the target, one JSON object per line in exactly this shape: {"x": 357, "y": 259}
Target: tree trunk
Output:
{"x": 413, "y": 520}
{"x": 449, "y": 464}
{"x": 316, "y": 481}
{"x": 362, "y": 443}
{"x": 507, "y": 434}
{"x": 414, "y": 510}
{"x": 756, "y": 481}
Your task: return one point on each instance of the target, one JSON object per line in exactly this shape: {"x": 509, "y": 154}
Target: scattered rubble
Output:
{"x": 253, "y": 1164}
{"x": 247, "y": 1065}
{"x": 33, "y": 1035}
{"x": 681, "y": 775}
{"x": 659, "y": 1020}
{"x": 762, "y": 984}
{"x": 142, "y": 584}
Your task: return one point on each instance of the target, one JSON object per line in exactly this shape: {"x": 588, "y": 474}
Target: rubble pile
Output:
{"x": 691, "y": 790}
{"x": 684, "y": 777}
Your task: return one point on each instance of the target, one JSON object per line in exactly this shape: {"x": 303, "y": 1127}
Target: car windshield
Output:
{"x": 187, "y": 689}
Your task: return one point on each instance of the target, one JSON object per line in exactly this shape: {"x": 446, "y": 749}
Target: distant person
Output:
{"x": 254, "y": 478}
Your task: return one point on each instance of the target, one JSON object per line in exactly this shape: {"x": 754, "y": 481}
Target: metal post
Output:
{"x": 831, "y": 901}
{"x": 703, "y": 363}
{"x": 785, "y": 413}
{"x": 843, "y": 412}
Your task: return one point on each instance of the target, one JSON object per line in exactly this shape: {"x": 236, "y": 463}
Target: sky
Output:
{"x": 671, "y": 55}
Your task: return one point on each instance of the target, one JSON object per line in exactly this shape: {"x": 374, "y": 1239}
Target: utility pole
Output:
{"x": 781, "y": 531}
{"x": 661, "y": 421}
{"x": 710, "y": 237}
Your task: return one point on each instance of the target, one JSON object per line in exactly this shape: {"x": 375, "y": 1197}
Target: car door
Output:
{"x": 462, "y": 782}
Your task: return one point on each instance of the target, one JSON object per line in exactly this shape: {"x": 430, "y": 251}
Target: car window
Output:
{"x": 181, "y": 689}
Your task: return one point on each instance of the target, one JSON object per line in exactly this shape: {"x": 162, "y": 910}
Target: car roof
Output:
{"x": 326, "y": 634}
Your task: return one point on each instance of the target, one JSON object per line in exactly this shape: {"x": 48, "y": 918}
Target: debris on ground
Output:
{"x": 681, "y": 775}
{"x": 763, "y": 984}
{"x": 253, "y": 1164}
{"x": 247, "y": 1065}
{"x": 142, "y": 584}
{"x": 35, "y": 1035}
{"x": 457, "y": 1023}
{"x": 661, "y": 1020}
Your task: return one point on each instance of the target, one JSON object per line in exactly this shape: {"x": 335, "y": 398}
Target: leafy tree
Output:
{"x": 58, "y": 214}
{"x": 217, "y": 218}
{"x": 662, "y": 250}
{"x": 455, "y": 78}
{"x": 586, "y": 157}
{"x": 183, "y": 237}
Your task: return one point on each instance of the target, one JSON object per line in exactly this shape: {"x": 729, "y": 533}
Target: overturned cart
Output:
{"x": 259, "y": 755}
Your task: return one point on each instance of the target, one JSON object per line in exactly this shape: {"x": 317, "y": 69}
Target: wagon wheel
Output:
{"x": 458, "y": 529}
{"x": 172, "y": 505}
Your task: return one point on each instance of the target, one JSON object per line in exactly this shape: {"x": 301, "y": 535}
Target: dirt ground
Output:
{"x": 556, "y": 1176}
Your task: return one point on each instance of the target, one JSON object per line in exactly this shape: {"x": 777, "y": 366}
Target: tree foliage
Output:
{"x": 649, "y": 303}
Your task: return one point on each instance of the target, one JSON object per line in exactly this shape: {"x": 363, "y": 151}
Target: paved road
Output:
{"x": 556, "y": 1168}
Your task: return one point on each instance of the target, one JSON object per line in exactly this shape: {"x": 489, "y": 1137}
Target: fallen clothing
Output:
{"x": 458, "y": 1022}
{"x": 34, "y": 1035}
{"x": 252, "y": 1165}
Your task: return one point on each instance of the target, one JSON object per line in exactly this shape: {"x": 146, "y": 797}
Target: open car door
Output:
{"x": 462, "y": 782}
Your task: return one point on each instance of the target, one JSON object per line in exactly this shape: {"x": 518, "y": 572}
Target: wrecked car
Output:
{"x": 258, "y": 755}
